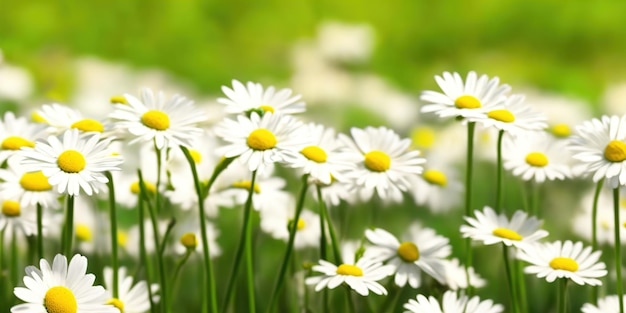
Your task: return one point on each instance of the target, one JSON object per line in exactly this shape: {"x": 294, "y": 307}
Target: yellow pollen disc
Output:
{"x": 245, "y": 184}
{"x": 349, "y": 270}
{"x": 267, "y": 108}
{"x": 615, "y": 151}
{"x": 11, "y": 208}
{"x": 507, "y": 234}
{"x": 60, "y": 299}
{"x": 315, "y": 154}
{"x": 118, "y": 99}
{"x": 117, "y": 303}
{"x": 467, "y": 102}
{"x": 37, "y": 118}
{"x": 423, "y": 137}
{"x": 196, "y": 156}
{"x": 156, "y": 119}
{"x": 502, "y": 116}
{"x": 88, "y": 125}
{"x": 122, "y": 238}
{"x": 189, "y": 240}
{"x": 435, "y": 177}
{"x": 564, "y": 263}
{"x": 561, "y": 130}
{"x": 150, "y": 187}
{"x": 71, "y": 161}
{"x": 408, "y": 252}
{"x": 537, "y": 159}
{"x": 35, "y": 181}
{"x": 83, "y": 232}
{"x": 377, "y": 161}
{"x": 261, "y": 139}
{"x": 301, "y": 224}
{"x": 605, "y": 225}
{"x": 16, "y": 143}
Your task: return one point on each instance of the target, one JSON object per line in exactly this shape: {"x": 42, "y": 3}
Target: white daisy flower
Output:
{"x": 382, "y": 162}
{"x": 252, "y": 96}
{"x": 362, "y": 276}
{"x": 277, "y": 223}
{"x": 564, "y": 260}
{"x": 605, "y": 218}
{"x": 131, "y": 298}
{"x": 62, "y": 288}
{"x": 259, "y": 141}
{"x": 439, "y": 189}
{"x": 456, "y": 275}
{"x": 451, "y": 303}
{"x": 91, "y": 227}
{"x": 537, "y": 156}
{"x": 491, "y": 228}
{"x": 16, "y": 219}
{"x": 73, "y": 162}
{"x": 336, "y": 192}
{"x": 30, "y": 188}
{"x": 169, "y": 123}
{"x": 608, "y": 304}
{"x": 133, "y": 237}
{"x": 599, "y": 146}
{"x": 60, "y": 118}
{"x": 514, "y": 117}
{"x": 563, "y": 113}
{"x": 422, "y": 250}
{"x": 187, "y": 233}
{"x": 461, "y": 99}
{"x": 17, "y": 132}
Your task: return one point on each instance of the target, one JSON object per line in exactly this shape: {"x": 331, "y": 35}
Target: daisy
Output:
{"x": 537, "y": 156}
{"x": 382, "y": 162}
{"x": 169, "y": 123}
{"x": 564, "y": 260}
{"x": 31, "y": 188}
{"x": 514, "y": 117}
{"x": 438, "y": 189}
{"x": 456, "y": 275}
{"x": 131, "y": 298}
{"x": 259, "y": 141}
{"x": 605, "y": 218}
{"x": 491, "y": 228}
{"x": 60, "y": 118}
{"x": 599, "y": 146}
{"x": 362, "y": 276}
{"x": 187, "y": 231}
{"x": 243, "y": 99}
{"x": 451, "y": 303}
{"x": 14, "y": 218}
{"x": 73, "y": 162}
{"x": 17, "y": 132}
{"x": 423, "y": 250}
{"x": 608, "y": 304}
{"x": 61, "y": 288}
{"x": 278, "y": 221}
{"x": 467, "y": 99}
{"x": 563, "y": 113}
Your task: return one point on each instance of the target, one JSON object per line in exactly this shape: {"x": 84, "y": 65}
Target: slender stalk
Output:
{"x": 331, "y": 230}
{"x": 248, "y": 247}
{"x": 14, "y": 258}
{"x": 293, "y": 228}
{"x": 511, "y": 279}
{"x": 143, "y": 258}
{"x": 3, "y": 280}
{"x": 594, "y": 233}
{"x": 351, "y": 306}
{"x": 113, "y": 222}
{"x": 468, "y": 198}
{"x": 39, "y": 231}
{"x": 618, "y": 252}
{"x": 521, "y": 284}
{"x": 323, "y": 241}
{"x": 68, "y": 230}
{"x": 209, "y": 279}
{"x": 179, "y": 266}
{"x": 562, "y": 296}
{"x": 499, "y": 165}
{"x": 534, "y": 197}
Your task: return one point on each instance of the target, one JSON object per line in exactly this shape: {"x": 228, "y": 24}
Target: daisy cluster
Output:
{"x": 160, "y": 157}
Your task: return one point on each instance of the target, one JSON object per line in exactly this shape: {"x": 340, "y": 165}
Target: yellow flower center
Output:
{"x": 117, "y": 303}
{"x": 37, "y": 118}
{"x": 35, "y": 181}
{"x": 507, "y": 234}
{"x": 88, "y": 125}
{"x": 122, "y": 238}
{"x": 267, "y": 108}
{"x": 502, "y": 115}
{"x": 564, "y": 263}
{"x": 245, "y": 184}
{"x": 189, "y": 240}
{"x": 195, "y": 155}
{"x": 261, "y": 139}
{"x": 83, "y": 232}
{"x": 315, "y": 154}
{"x": 605, "y": 225}
{"x": 16, "y": 143}
{"x": 11, "y": 208}
{"x": 467, "y": 102}
{"x": 537, "y": 159}
{"x": 300, "y": 225}
{"x": 150, "y": 187}
{"x": 377, "y": 161}
{"x": 349, "y": 270}
{"x": 435, "y": 177}
{"x": 423, "y": 137}
{"x": 71, "y": 161}
{"x": 156, "y": 119}
{"x": 615, "y": 151}
{"x": 60, "y": 299}
{"x": 561, "y": 130}
{"x": 118, "y": 99}
{"x": 408, "y": 252}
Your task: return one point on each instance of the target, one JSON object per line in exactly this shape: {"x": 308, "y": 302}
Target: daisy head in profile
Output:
{"x": 17, "y": 132}
{"x": 451, "y": 303}
{"x": 62, "y": 288}
{"x": 514, "y": 117}
{"x": 132, "y": 298}
{"x": 252, "y": 96}
{"x": 60, "y": 118}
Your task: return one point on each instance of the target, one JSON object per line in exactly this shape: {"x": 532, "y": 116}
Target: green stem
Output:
{"x": 468, "y": 198}
{"x": 292, "y": 236}
{"x": 143, "y": 258}
{"x": 240, "y": 249}
{"x": 68, "y": 230}
{"x": 3, "y": 280}
{"x": 248, "y": 247}
{"x": 113, "y": 221}
{"x": 594, "y": 233}
{"x": 14, "y": 258}
{"x": 521, "y": 284}
{"x": 39, "y": 231}
{"x": 618, "y": 253}
{"x": 499, "y": 165}
{"x": 209, "y": 279}
{"x": 351, "y": 306}
{"x": 331, "y": 230}
{"x": 534, "y": 198}
{"x": 562, "y": 295}
{"x": 511, "y": 279}
{"x": 179, "y": 266}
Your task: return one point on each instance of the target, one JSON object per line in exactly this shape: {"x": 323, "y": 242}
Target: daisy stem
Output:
{"x": 248, "y": 247}
{"x": 14, "y": 257}
{"x": 68, "y": 230}
{"x": 498, "y": 205}
{"x": 113, "y": 221}
{"x": 39, "y": 231}
{"x": 323, "y": 241}
{"x": 618, "y": 252}
{"x": 331, "y": 230}
{"x": 179, "y": 266}
{"x": 209, "y": 279}
{"x": 2, "y": 271}
{"x": 468, "y": 199}
{"x": 240, "y": 248}
{"x": 534, "y": 198}
{"x": 562, "y": 295}
{"x": 521, "y": 283}
{"x": 143, "y": 259}
{"x": 351, "y": 306}
{"x": 292, "y": 236}
{"x": 594, "y": 232}
{"x": 511, "y": 279}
